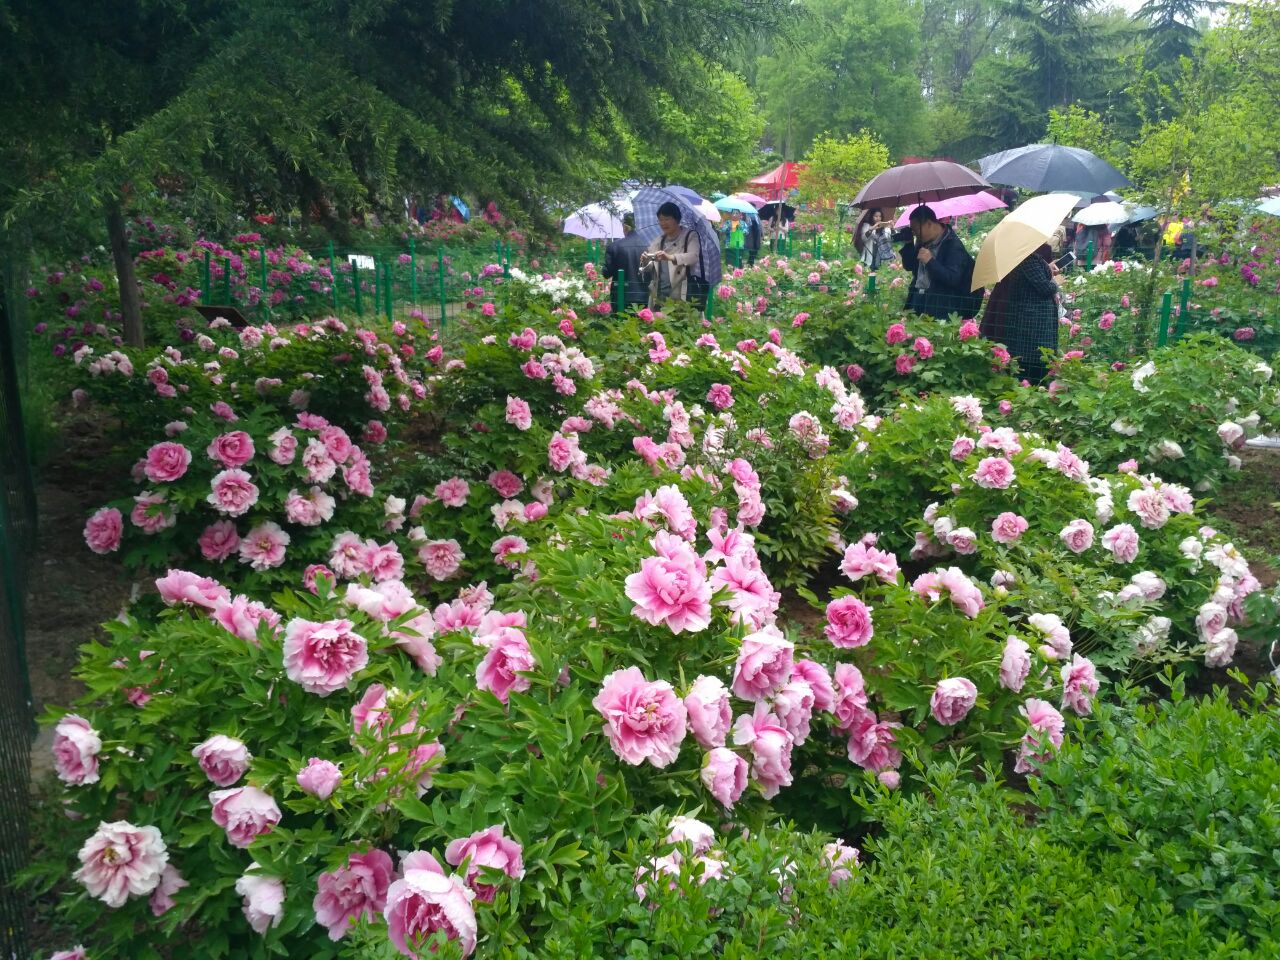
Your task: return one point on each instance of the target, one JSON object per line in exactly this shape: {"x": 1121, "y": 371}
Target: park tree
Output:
{"x": 338, "y": 106}
{"x": 1075, "y": 126}
{"x": 854, "y": 65}
{"x": 836, "y": 169}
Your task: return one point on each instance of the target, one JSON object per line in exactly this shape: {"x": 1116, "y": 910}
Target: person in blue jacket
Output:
{"x": 941, "y": 268}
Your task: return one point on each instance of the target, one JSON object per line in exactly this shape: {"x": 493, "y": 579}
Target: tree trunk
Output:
{"x": 130, "y": 304}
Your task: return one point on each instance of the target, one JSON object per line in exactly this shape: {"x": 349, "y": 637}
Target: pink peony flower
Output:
{"x": 724, "y": 774}
{"x": 644, "y": 720}
{"x": 441, "y": 558}
{"x": 263, "y": 547}
{"x": 337, "y": 443}
{"x": 151, "y": 513}
{"x": 1079, "y": 685}
{"x": 323, "y": 657}
{"x": 968, "y": 330}
{"x": 487, "y": 849}
{"x": 952, "y": 700}
{"x": 923, "y": 347}
{"x": 353, "y": 892}
{"x": 1122, "y": 541}
{"x": 1044, "y": 730}
{"x": 242, "y": 617}
{"x": 837, "y": 855}
{"x": 720, "y": 396}
{"x": 223, "y": 759}
{"x": 506, "y": 483}
{"x": 233, "y": 493}
{"x": 182, "y": 586}
{"x": 171, "y": 881}
{"x": 819, "y": 681}
{"x": 167, "y": 462}
{"x": 233, "y": 449}
{"x": 452, "y": 492}
{"x": 219, "y": 540}
{"x": 764, "y": 664}
{"x": 962, "y": 591}
{"x": 1150, "y": 506}
{"x": 994, "y": 473}
{"x": 508, "y": 657}
{"x": 695, "y": 833}
{"x": 120, "y": 861}
{"x": 897, "y": 333}
{"x": 76, "y": 746}
{"x": 518, "y": 413}
{"x": 1077, "y": 535}
{"x": 263, "y": 900}
{"x": 320, "y": 778}
{"x": 245, "y": 813}
{"x": 1015, "y": 664}
{"x": 671, "y": 588}
{"x": 75, "y": 953}
{"x": 425, "y": 902}
{"x": 861, "y": 560}
{"x": 1008, "y": 527}
{"x": 849, "y": 623}
{"x": 904, "y": 364}
{"x": 103, "y": 530}
{"x": 770, "y": 745}
{"x": 707, "y": 704}
{"x": 793, "y": 706}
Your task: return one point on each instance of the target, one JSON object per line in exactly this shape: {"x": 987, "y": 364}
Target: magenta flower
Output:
{"x": 167, "y": 462}
{"x": 1008, "y": 527}
{"x": 1015, "y": 664}
{"x": 245, "y": 813}
{"x": 849, "y": 623}
{"x": 724, "y": 774}
{"x": 320, "y": 778}
{"x": 671, "y": 588}
{"x": 487, "y": 848}
{"x": 353, "y": 892}
{"x": 103, "y": 530}
{"x": 223, "y": 759}
{"x": 1079, "y": 685}
{"x": 424, "y": 902}
{"x": 499, "y": 672}
{"x": 710, "y": 714}
{"x": 770, "y": 745}
{"x": 76, "y": 746}
{"x": 764, "y": 664}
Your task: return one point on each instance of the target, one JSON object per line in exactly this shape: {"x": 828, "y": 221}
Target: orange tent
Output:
{"x": 776, "y": 182}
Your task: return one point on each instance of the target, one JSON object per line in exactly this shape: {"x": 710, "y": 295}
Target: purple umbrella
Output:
{"x": 957, "y": 207}
{"x": 919, "y": 183}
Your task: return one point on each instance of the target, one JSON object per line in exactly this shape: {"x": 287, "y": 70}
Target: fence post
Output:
{"x": 1183, "y": 306}
{"x": 389, "y": 286}
{"x": 1088, "y": 261}
{"x": 356, "y": 284}
{"x": 871, "y": 285}
{"x": 206, "y": 282}
{"x": 333, "y": 272}
{"x": 1166, "y": 307}
{"x": 444, "y": 301}
{"x": 621, "y": 281}
{"x": 264, "y": 300}
{"x": 413, "y": 273}
{"x": 377, "y": 286}
{"x": 226, "y": 281}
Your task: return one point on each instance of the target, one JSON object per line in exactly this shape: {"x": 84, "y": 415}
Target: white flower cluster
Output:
{"x": 558, "y": 289}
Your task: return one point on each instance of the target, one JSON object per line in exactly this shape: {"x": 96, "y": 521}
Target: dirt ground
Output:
{"x": 70, "y": 590}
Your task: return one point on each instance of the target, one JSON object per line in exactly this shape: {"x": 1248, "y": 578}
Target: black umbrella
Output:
{"x": 644, "y": 208}
{"x": 770, "y": 210}
{"x": 1045, "y": 167}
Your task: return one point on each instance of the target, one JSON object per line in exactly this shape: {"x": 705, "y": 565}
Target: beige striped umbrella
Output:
{"x": 1018, "y": 235}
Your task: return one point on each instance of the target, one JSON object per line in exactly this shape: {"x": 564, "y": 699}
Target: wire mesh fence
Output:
{"x": 17, "y": 537}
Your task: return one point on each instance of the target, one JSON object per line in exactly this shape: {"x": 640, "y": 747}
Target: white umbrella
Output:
{"x": 595, "y": 221}
{"x": 708, "y": 210}
{"x": 1099, "y": 213}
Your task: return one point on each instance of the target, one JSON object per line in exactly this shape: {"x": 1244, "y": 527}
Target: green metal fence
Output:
{"x": 17, "y": 537}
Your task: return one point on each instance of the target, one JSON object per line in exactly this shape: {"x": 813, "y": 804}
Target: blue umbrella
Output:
{"x": 685, "y": 193}
{"x": 645, "y": 205}
{"x": 730, "y": 204}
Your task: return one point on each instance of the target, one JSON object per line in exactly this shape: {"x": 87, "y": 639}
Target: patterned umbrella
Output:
{"x": 646, "y": 204}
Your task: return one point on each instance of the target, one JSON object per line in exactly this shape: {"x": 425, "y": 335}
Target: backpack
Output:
{"x": 695, "y": 288}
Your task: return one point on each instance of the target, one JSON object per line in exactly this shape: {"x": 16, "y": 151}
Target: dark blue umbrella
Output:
{"x": 645, "y": 206}
{"x": 1046, "y": 167}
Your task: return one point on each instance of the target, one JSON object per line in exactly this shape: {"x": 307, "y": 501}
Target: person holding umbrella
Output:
{"x": 941, "y": 268}
{"x": 735, "y": 235}
{"x": 1022, "y": 312}
{"x": 625, "y": 255}
{"x": 670, "y": 256}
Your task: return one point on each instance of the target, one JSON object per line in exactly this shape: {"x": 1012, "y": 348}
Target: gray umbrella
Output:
{"x": 645, "y": 205}
{"x": 1044, "y": 167}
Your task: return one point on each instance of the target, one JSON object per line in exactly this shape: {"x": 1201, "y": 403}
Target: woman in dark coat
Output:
{"x": 1022, "y": 313}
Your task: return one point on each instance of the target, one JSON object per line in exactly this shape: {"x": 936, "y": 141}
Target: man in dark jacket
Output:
{"x": 624, "y": 255}
{"x": 941, "y": 268}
